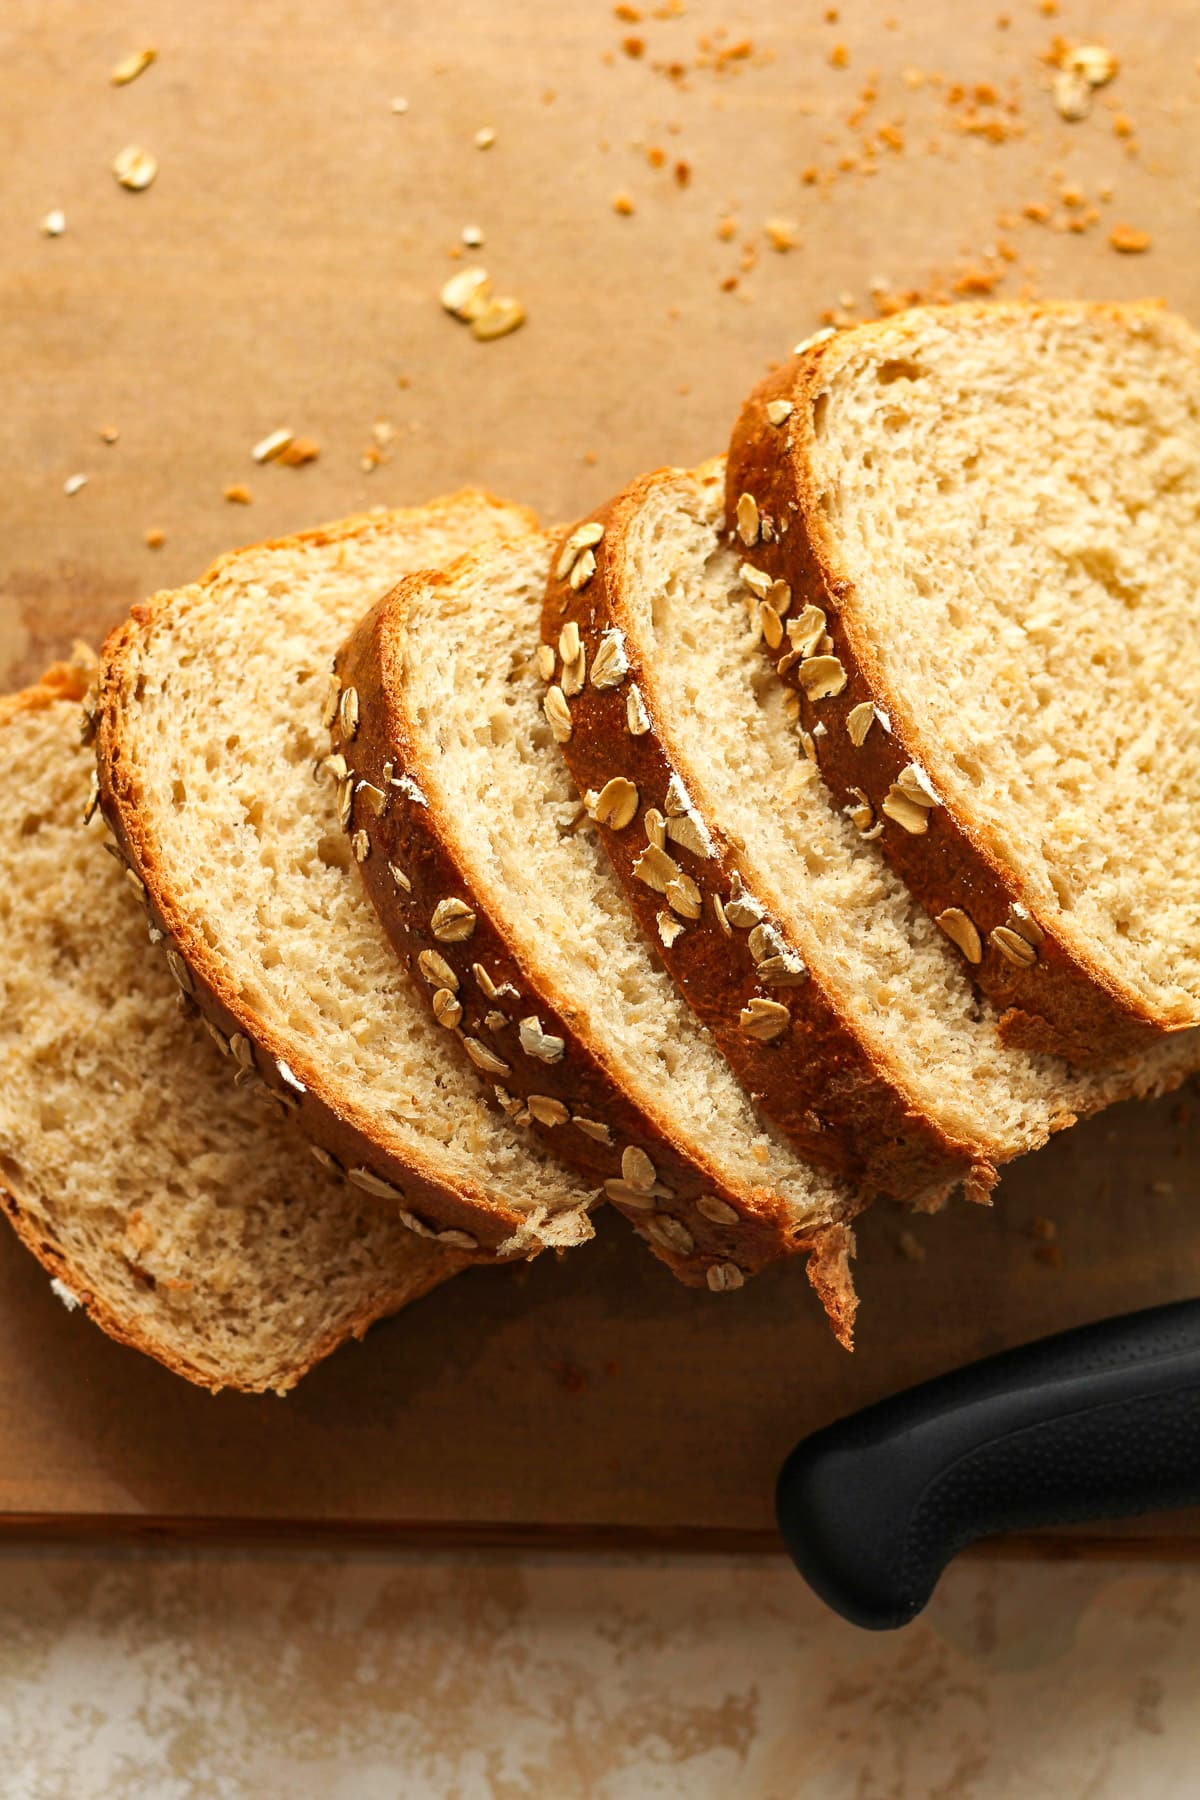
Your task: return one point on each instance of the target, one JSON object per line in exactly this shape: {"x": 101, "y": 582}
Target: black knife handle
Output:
{"x": 1099, "y": 1423}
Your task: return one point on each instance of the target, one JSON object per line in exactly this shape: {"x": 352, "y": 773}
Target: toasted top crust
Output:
{"x": 209, "y": 712}
{"x": 1068, "y": 979}
{"x": 189, "y": 1222}
{"x": 482, "y": 866}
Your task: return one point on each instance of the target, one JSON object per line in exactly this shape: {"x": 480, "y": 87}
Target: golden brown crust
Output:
{"x": 413, "y": 835}
{"x": 1063, "y": 1002}
{"x": 845, "y": 1110}
{"x": 419, "y": 1189}
{"x": 68, "y": 682}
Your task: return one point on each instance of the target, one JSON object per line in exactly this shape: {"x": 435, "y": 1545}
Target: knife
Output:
{"x": 1098, "y": 1423}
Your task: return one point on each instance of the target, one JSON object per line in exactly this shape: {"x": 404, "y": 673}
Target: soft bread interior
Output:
{"x": 192, "y": 1222}
{"x": 1016, "y": 498}
{"x": 230, "y": 683}
{"x": 494, "y": 771}
{"x": 889, "y": 967}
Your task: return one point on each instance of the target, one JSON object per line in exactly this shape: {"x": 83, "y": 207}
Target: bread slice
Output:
{"x": 487, "y": 874}
{"x": 210, "y": 722}
{"x": 189, "y": 1221}
{"x": 997, "y": 507}
{"x": 840, "y": 1004}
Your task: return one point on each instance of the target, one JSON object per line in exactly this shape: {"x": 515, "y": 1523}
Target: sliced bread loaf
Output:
{"x": 841, "y": 1005}
{"x": 997, "y": 509}
{"x": 210, "y": 723}
{"x": 186, "y": 1217}
{"x": 486, "y": 872}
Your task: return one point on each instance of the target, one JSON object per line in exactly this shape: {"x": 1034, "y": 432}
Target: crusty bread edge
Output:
{"x": 418, "y": 836}
{"x": 844, "y": 1107}
{"x": 462, "y": 1213}
{"x": 67, "y": 683}
{"x": 1064, "y": 1004}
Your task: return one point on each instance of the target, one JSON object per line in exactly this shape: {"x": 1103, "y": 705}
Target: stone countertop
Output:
{"x": 133, "y": 1675}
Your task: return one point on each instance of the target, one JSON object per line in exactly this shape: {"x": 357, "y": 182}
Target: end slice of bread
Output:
{"x": 841, "y": 1005}
{"x": 186, "y": 1217}
{"x": 485, "y": 869}
{"x": 210, "y": 724}
{"x": 997, "y": 509}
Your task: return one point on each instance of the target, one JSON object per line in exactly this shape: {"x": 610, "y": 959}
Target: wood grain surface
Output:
{"x": 283, "y": 270}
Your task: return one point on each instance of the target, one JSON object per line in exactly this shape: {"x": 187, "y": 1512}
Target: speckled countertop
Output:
{"x": 218, "y": 1674}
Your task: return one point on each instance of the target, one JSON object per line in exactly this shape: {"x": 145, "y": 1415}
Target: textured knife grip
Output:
{"x": 1102, "y": 1422}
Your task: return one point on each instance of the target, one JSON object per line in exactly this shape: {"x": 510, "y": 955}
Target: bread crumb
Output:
{"x": 485, "y": 137}
{"x": 1050, "y": 1255}
{"x": 1123, "y": 126}
{"x": 62, "y": 1292}
{"x": 839, "y": 57}
{"x": 781, "y": 234}
{"x": 54, "y": 223}
{"x": 399, "y": 104}
{"x": 237, "y": 493}
{"x": 629, "y": 15}
{"x": 109, "y": 434}
{"x": 682, "y": 173}
{"x": 301, "y": 450}
{"x": 130, "y": 67}
{"x": 634, "y": 47}
{"x": 726, "y": 229}
{"x": 1128, "y": 240}
{"x": 154, "y": 537}
{"x": 1044, "y": 1230}
{"x": 73, "y": 484}
{"x": 910, "y": 1247}
{"x": 622, "y": 203}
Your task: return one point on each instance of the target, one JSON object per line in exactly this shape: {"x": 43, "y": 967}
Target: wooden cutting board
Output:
{"x": 283, "y": 270}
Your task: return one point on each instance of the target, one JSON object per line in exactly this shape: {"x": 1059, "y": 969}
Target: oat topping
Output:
{"x": 546, "y": 1110}
{"x": 671, "y": 1234}
{"x": 778, "y": 411}
{"x": 669, "y": 928}
{"x": 637, "y": 719}
{"x": 742, "y": 908}
{"x": 764, "y": 1019}
{"x": 859, "y": 721}
{"x": 544, "y": 661}
{"x": 757, "y": 580}
{"x": 437, "y": 970}
{"x": 583, "y": 570}
{"x": 1024, "y": 924}
{"x": 748, "y": 522}
{"x": 961, "y": 930}
{"x": 558, "y": 714}
{"x": 484, "y": 1058}
{"x": 370, "y": 1183}
{"x": 593, "y": 1128}
{"x": 916, "y": 786}
{"x": 621, "y": 1194}
{"x": 610, "y": 665}
{"x": 1013, "y": 947}
{"x": 584, "y": 537}
{"x": 447, "y": 1008}
{"x": 718, "y": 1212}
{"x": 722, "y": 1278}
{"x": 683, "y": 896}
{"x": 656, "y": 868}
{"x": 453, "y": 921}
{"x": 821, "y": 677}
{"x": 542, "y": 1044}
{"x": 656, "y": 827}
{"x": 348, "y": 713}
{"x": 806, "y": 630}
{"x": 400, "y": 878}
{"x": 615, "y": 805}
